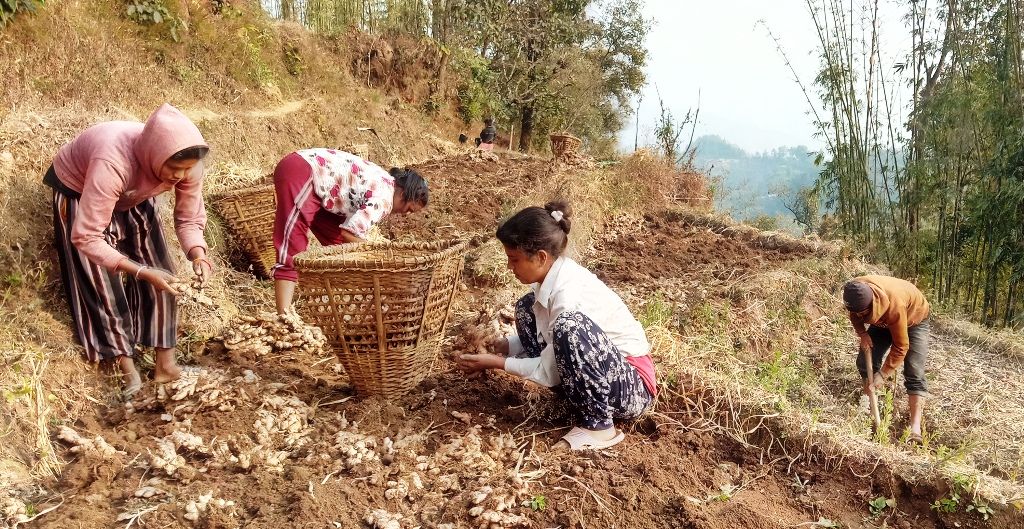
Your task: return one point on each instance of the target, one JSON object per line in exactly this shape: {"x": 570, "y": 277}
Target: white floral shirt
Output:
{"x": 358, "y": 191}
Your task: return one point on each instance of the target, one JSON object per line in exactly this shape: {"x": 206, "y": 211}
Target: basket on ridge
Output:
{"x": 563, "y": 143}
{"x": 382, "y": 306}
{"x": 249, "y": 215}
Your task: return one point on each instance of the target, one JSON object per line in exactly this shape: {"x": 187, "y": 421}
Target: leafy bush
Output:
{"x": 10, "y": 8}
{"x": 153, "y": 12}
{"x": 475, "y": 98}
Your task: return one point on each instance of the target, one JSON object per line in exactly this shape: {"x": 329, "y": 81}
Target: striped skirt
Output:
{"x": 113, "y": 312}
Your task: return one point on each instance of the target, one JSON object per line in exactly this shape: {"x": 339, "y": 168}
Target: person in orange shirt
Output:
{"x": 890, "y": 314}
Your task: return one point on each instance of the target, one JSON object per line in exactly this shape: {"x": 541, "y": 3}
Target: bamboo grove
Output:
{"x": 925, "y": 152}
{"x": 536, "y": 66}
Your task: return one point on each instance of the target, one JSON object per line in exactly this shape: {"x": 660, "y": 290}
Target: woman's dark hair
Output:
{"x": 534, "y": 229}
{"x": 191, "y": 153}
{"x": 414, "y": 186}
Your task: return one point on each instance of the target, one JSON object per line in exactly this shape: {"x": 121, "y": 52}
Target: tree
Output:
{"x": 805, "y": 206}
{"x": 566, "y": 63}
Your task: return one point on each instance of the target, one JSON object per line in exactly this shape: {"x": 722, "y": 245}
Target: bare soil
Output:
{"x": 451, "y": 432}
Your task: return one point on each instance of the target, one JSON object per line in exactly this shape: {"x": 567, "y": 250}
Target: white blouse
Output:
{"x": 569, "y": 286}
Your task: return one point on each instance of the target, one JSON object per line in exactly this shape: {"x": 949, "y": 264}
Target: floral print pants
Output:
{"x": 596, "y": 378}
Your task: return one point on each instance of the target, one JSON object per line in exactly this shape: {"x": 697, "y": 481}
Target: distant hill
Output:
{"x": 751, "y": 185}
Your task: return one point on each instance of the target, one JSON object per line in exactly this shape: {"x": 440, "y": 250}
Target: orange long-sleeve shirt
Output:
{"x": 896, "y": 305}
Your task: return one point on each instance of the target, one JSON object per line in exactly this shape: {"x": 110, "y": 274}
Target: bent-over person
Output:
{"x": 891, "y": 314}
{"x": 115, "y": 264}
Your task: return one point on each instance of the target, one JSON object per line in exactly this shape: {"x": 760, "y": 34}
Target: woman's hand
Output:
{"x": 203, "y": 270}
{"x": 472, "y": 364}
{"x": 161, "y": 280}
{"x": 501, "y": 347}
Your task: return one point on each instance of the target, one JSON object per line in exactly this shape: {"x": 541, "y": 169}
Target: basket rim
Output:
{"x": 332, "y": 258}
{"x": 235, "y": 193}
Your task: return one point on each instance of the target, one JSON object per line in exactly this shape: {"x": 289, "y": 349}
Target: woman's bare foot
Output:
{"x": 166, "y": 368}
{"x": 130, "y": 375}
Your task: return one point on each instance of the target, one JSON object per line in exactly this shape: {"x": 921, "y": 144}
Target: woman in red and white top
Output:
{"x": 339, "y": 197}
{"x": 572, "y": 331}
{"x": 116, "y": 266}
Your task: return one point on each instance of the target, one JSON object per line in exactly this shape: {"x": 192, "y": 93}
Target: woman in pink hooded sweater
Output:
{"x": 115, "y": 264}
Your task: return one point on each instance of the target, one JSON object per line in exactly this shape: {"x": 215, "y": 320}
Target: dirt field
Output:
{"x": 280, "y": 439}
{"x": 756, "y": 425}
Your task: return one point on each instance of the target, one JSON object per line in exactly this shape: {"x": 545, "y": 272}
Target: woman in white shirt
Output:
{"x": 571, "y": 331}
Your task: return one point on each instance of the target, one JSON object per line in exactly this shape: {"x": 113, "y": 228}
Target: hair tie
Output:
{"x": 557, "y": 215}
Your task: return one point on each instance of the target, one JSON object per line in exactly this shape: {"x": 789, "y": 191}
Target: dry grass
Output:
{"x": 778, "y": 372}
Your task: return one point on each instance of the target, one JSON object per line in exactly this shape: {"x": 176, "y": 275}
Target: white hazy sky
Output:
{"x": 714, "y": 54}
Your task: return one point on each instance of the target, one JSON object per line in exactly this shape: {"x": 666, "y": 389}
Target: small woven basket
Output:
{"x": 563, "y": 143}
{"x": 382, "y": 306}
{"x": 249, "y": 215}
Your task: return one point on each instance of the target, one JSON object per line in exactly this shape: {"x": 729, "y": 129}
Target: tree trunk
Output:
{"x": 526, "y": 134}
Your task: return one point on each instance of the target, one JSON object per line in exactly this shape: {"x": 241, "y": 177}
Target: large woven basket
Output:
{"x": 249, "y": 215}
{"x": 563, "y": 143}
{"x": 382, "y": 306}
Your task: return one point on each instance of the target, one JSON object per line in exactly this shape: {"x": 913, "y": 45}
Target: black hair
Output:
{"x": 191, "y": 153}
{"x": 489, "y": 122}
{"x": 537, "y": 228}
{"x": 414, "y": 187}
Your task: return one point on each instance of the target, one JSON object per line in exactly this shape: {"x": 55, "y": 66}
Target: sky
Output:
{"x": 716, "y": 56}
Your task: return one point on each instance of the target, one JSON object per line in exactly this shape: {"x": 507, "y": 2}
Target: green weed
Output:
{"x": 537, "y": 503}
{"x": 726, "y": 493}
{"x": 878, "y": 505}
{"x": 253, "y": 38}
{"x": 656, "y": 311}
{"x": 154, "y": 12}
{"x": 293, "y": 60}
{"x": 947, "y": 505}
{"x": 982, "y": 509}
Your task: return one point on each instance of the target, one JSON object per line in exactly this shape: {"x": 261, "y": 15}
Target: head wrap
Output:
{"x": 857, "y": 296}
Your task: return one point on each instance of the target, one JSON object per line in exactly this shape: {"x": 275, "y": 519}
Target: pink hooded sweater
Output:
{"x": 114, "y": 165}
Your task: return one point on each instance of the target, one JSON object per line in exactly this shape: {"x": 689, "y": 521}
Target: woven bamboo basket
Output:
{"x": 382, "y": 306}
{"x": 249, "y": 215}
{"x": 563, "y": 143}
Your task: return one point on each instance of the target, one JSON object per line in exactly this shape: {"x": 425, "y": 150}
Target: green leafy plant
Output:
{"x": 537, "y": 503}
{"x": 154, "y": 12}
{"x": 14, "y": 279}
{"x": 727, "y": 492}
{"x": 656, "y": 311}
{"x": 960, "y": 486}
{"x": 10, "y": 8}
{"x": 885, "y": 414}
{"x": 293, "y": 60}
{"x": 982, "y": 509}
{"x": 253, "y": 38}
{"x": 878, "y": 505}
{"x": 949, "y": 504}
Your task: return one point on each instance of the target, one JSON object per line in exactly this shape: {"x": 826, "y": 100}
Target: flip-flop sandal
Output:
{"x": 580, "y": 439}
{"x": 915, "y": 440}
{"x": 130, "y": 391}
